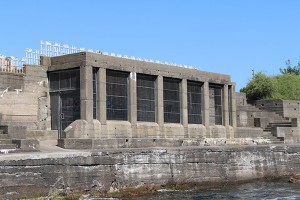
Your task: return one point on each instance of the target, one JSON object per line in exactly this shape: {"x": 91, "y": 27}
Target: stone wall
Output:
{"x": 285, "y": 108}
{"x": 65, "y": 172}
{"x": 29, "y": 106}
{"x": 11, "y": 81}
{"x": 261, "y": 113}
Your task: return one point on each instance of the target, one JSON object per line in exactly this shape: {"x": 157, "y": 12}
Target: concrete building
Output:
{"x": 92, "y": 100}
{"x": 96, "y": 98}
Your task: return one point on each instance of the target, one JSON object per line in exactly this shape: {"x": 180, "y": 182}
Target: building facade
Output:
{"x": 96, "y": 96}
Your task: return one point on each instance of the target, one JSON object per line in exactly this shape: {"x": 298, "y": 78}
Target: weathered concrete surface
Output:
{"x": 63, "y": 171}
{"x": 285, "y": 108}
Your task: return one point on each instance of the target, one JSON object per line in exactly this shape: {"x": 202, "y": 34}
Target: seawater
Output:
{"x": 270, "y": 190}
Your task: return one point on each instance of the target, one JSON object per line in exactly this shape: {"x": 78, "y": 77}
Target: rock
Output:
{"x": 85, "y": 197}
{"x": 292, "y": 179}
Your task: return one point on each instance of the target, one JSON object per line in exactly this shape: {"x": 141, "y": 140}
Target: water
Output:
{"x": 269, "y": 190}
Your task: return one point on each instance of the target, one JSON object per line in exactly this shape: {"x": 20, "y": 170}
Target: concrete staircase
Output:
{"x": 271, "y": 138}
{"x": 13, "y": 139}
{"x": 276, "y": 120}
{"x": 6, "y": 144}
{"x": 269, "y": 127}
{"x": 266, "y": 120}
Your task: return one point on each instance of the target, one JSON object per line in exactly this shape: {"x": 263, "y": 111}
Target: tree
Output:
{"x": 287, "y": 87}
{"x": 260, "y": 87}
{"x": 289, "y": 69}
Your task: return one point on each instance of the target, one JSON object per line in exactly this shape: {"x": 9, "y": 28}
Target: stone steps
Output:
{"x": 268, "y": 128}
{"x": 3, "y": 136}
{"x": 10, "y": 142}
{"x": 5, "y": 141}
{"x": 274, "y": 140}
{"x": 6, "y": 144}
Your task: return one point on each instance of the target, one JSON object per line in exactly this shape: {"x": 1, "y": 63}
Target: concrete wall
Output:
{"x": 263, "y": 112}
{"x": 11, "y": 81}
{"x": 47, "y": 174}
{"x": 245, "y": 113}
{"x": 285, "y": 108}
{"x": 29, "y": 107}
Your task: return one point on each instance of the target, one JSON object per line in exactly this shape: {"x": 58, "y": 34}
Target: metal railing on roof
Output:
{"x": 32, "y": 57}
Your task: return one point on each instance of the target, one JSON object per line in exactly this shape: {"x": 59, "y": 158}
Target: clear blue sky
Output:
{"x": 225, "y": 36}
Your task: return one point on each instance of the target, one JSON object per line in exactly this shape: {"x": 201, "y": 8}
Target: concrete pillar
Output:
{"x": 86, "y": 93}
{"x": 225, "y": 110}
{"x": 102, "y": 95}
{"x": 233, "y": 104}
{"x": 160, "y": 104}
{"x": 133, "y": 103}
{"x": 206, "y": 107}
{"x": 184, "y": 107}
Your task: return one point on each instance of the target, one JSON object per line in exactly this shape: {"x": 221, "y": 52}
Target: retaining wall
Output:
{"x": 41, "y": 174}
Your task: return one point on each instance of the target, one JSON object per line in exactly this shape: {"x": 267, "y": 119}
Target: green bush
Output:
{"x": 285, "y": 86}
{"x": 260, "y": 87}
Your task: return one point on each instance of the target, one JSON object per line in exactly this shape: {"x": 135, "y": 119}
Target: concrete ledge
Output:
{"x": 27, "y": 144}
{"x": 147, "y": 129}
{"x": 15, "y": 132}
{"x": 196, "y": 130}
{"x": 289, "y": 134}
{"x": 245, "y": 132}
{"x": 217, "y": 131}
{"x": 116, "y": 143}
{"x": 75, "y": 143}
{"x": 173, "y": 130}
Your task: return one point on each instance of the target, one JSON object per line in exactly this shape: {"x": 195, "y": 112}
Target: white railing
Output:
{"x": 55, "y": 49}
{"x": 32, "y": 57}
{"x": 11, "y": 64}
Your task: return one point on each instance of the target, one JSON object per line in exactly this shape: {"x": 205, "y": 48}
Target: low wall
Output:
{"x": 40, "y": 174}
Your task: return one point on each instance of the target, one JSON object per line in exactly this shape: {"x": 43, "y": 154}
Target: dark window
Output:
{"x": 54, "y": 81}
{"x": 194, "y": 98}
{"x": 171, "y": 100}
{"x": 230, "y": 104}
{"x": 95, "y": 93}
{"x": 145, "y": 98}
{"x": 116, "y": 95}
{"x": 64, "y": 80}
{"x": 215, "y": 104}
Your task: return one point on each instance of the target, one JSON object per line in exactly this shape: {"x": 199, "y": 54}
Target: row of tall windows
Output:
{"x": 117, "y": 84}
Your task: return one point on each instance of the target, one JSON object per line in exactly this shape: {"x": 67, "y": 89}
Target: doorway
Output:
{"x": 64, "y": 99}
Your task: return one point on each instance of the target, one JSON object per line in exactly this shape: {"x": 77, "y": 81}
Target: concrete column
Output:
{"x": 86, "y": 93}
{"x": 184, "y": 107}
{"x": 160, "y": 104}
{"x": 225, "y": 110}
{"x": 133, "y": 103}
{"x": 233, "y": 102}
{"x": 206, "y": 107}
{"x": 102, "y": 95}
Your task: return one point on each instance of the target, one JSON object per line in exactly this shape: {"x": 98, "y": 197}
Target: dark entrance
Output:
{"x": 65, "y": 99}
